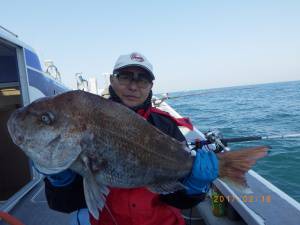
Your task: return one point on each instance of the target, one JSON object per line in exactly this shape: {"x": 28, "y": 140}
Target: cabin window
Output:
{"x": 8, "y": 64}
{"x": 32, "y": 60}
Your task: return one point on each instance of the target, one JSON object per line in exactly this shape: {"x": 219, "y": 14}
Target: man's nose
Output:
{"x": 133, "y": 85}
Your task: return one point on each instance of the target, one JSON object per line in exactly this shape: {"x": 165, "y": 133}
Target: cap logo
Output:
{"x": 136, "y": 57}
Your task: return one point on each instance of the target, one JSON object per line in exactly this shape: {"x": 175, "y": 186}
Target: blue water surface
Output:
{"x": 265, "y": 109}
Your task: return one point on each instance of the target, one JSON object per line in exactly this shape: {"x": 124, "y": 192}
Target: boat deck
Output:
{"x": 33, "y": 210}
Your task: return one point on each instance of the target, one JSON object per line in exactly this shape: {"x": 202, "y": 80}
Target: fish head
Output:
{"x": 49, "y": 131}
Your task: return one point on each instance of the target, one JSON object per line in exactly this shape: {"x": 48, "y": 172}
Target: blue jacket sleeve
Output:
{"x": 205, "y": 170}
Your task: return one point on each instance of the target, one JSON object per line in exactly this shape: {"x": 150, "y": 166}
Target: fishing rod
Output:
{"x": 255, "y": 138}
{"x": 214, "y": 137}
{"x": 182, "y": 96}
{"x": 157, "y": 101}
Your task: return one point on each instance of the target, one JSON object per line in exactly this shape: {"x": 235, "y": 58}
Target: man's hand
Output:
{"x": 205, "y": 170}
{"x": 61, "y": 179}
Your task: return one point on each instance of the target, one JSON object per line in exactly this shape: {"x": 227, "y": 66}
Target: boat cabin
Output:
{"x": 22, "y": 81}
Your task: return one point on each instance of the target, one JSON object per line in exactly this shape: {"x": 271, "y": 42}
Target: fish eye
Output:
{"x": 47, "y": 118}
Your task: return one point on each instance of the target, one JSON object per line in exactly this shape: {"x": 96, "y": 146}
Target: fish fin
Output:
{"x": 234, "y": 164}
{"x": 166, "y": 188}
{"x": 95, "y": 163}
{"x": 94, "y": 193}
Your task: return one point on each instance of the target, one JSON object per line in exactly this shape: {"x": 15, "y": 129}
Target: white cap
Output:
{"x": 134, "y": 59}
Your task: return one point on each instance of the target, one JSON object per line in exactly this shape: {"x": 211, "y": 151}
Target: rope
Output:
{"x": 10, "y": 219}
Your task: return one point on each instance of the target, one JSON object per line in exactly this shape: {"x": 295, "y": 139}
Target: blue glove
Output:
{"x": 62, "y": 179}
{"x": 205, "y": 170}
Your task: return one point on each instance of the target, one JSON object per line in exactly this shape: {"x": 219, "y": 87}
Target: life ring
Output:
{"x": 10, "y": 219}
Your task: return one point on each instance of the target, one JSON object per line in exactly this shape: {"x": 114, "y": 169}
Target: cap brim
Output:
{"x": 137, "y": 65}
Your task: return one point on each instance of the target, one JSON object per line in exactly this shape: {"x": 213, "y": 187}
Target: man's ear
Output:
{"x": 111, "y": 78}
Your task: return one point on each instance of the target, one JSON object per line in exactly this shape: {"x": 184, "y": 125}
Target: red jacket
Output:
{"x": 137, "y": 206}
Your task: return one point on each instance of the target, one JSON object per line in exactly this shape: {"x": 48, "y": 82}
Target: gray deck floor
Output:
{"x": 33, "y": 210}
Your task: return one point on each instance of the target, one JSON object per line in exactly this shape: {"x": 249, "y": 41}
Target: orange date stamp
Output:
{"x": 244, "y": 198}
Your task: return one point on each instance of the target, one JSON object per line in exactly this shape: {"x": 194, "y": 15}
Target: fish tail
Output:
{"x": 234, "y": 164}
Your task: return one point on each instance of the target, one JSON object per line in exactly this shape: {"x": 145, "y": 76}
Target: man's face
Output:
{"x": 132, "y": 91}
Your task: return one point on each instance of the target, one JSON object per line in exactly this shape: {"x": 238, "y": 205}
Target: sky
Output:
{"x": 192, "y": 44}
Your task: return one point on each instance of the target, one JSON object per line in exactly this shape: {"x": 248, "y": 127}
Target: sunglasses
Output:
{"x": 141, "y": 79}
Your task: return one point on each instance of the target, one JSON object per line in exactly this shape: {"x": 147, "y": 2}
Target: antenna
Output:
{"x": 8, "y": 31}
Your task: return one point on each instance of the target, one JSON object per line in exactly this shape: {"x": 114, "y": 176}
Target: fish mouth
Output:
{"x": 54, "y": 140}
{"x": 18, "y": 139}
{"x": 14, "y": 128}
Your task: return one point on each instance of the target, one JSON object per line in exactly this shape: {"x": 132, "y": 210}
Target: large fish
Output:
{"x": 109, "y": 145}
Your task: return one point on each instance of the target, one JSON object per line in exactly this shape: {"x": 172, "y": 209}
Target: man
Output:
{"x": 131, "y": 85}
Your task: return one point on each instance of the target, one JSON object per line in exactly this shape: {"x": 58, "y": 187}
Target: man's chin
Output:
{"x": 131, "y": 102}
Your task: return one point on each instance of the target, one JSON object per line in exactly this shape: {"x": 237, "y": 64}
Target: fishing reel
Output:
{"x": 212, "y": 138}
{"x": 215, "y": 137}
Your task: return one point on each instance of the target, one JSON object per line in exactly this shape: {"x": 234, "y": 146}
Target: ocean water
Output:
{"x": 265, "y": 109}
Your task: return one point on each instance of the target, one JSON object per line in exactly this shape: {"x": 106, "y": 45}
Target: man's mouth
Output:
{"x": 131, "y": 97}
